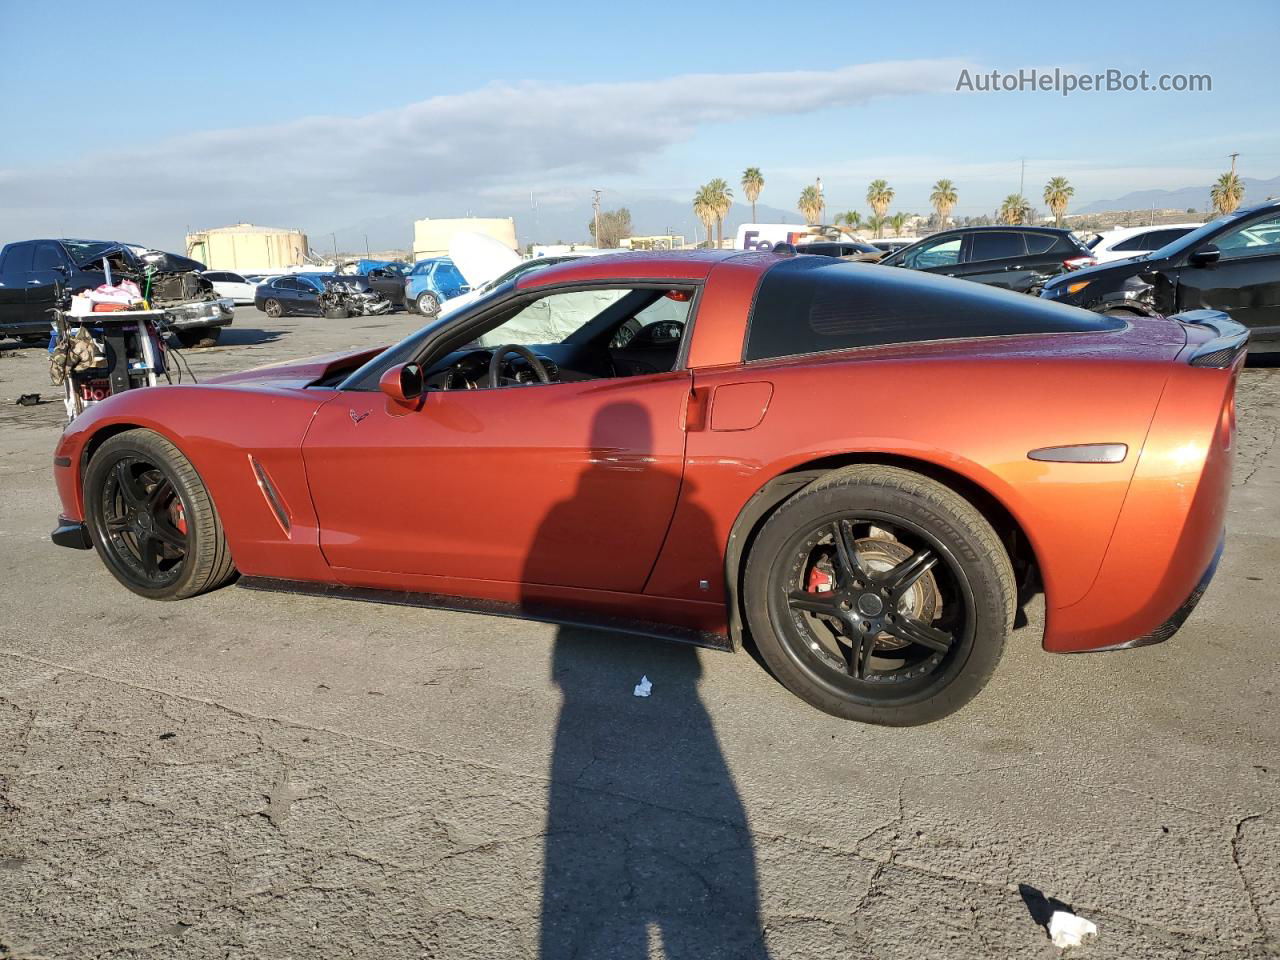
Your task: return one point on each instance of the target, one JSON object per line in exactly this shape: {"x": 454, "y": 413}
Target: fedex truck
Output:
{"x": 764, "y": 236}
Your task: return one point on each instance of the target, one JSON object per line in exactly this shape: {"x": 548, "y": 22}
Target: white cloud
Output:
{"x": 474, "y": 143}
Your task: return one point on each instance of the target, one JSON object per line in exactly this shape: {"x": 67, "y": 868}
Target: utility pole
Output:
{"x": 1233, "y": 161}
{"x": 595, "y": 209}
{"x": 334, "y": 238}
{"x": 366, "y": 245}
{"x": 822, "y": 203}
{"x": 1022, "y": 181}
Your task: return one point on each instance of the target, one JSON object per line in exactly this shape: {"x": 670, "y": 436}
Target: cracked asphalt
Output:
{"x": 253, "y": 775}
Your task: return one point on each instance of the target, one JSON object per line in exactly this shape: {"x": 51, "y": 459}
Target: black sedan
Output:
{"x": 289, "y": 295}
{"x": 1016, "y": 258}
{"x": 1230, "y": 264}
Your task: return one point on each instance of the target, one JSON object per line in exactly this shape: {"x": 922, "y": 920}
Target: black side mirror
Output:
{"x": 1206, "y": 255}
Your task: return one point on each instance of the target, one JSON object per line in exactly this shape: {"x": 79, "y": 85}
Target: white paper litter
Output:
{"x": 643, "y": 688}
{"x": 1068, "y": 930}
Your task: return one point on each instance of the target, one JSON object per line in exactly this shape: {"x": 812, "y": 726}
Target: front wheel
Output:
{"x": 428, "y": 304}
{"x": 877, "y": 594}
{"x": 152, "y": 520}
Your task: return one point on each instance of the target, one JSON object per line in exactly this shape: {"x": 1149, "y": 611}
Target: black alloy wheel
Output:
{"x": 143, "y": 523}
{"x": 151, "y": 519}
{"x": 878, "y": 594}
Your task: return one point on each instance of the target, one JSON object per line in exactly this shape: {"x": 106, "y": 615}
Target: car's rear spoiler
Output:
{"x": 1229, "y": 341}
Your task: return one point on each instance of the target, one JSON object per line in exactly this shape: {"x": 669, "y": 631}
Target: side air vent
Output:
{"x": 271, "y": 495}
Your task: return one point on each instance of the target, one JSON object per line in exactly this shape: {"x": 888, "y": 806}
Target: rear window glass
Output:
{"x": 815, "y": 305}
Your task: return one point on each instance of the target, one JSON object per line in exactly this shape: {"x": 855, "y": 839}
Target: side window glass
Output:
{"x": 17, "y": 261}
{"x": 1139, "y": 241}
{"x": 996, "y": 245}
{"x": 1256, "y": 239}
{"x": 1039, "y": 242}
{"x": 940, "y": 254}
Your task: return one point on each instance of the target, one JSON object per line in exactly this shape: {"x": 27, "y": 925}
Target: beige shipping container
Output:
{"x": 431, "y": 236}
{"x": 246, "y": 248}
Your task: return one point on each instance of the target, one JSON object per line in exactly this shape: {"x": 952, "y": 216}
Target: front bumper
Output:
{"x": 204, "y": 313}
{"x": 71, "y": 533}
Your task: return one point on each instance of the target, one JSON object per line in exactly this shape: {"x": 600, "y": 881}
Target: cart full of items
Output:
{"x": 107, "y": 340}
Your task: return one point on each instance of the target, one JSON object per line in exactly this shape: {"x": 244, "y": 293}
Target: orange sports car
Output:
{"x": 865, "y": 470}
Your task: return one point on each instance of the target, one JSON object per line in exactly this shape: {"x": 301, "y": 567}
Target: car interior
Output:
{"x": 572, "y": 336}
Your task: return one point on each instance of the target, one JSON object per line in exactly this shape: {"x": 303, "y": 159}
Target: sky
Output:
{"x": 138, "y": 122}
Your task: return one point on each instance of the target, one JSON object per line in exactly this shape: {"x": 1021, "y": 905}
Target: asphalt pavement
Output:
{"x": 257, "y": 775}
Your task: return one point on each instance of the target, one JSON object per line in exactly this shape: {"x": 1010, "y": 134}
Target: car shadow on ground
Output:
{"x": 647, "y": 841}
{"x": 234, "y": 336}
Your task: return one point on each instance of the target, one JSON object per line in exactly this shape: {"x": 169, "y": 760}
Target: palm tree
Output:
{"x": 879, "y": 195}
{"x": 810, "y": 204}
{"x": 851, "y": 219}
{"x": 899, "y": 222}
{"x": 1227, "y": 193}
{"x": 752, "y": 184}
{"x": 943, "y": 199}
{"x": 1015, "y": 209}
{"x": 876, "y": 223}
{"x": 1056, "y": 194}
{"x": 704, "y": 206}
{"x": 722, "y": 203}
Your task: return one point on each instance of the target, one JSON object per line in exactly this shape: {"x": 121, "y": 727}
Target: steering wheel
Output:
{"x": 500, "y": 353}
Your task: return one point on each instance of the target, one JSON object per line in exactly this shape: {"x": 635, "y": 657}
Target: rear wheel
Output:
{"x": 152, "y": 520}
{"x": 272, "y": 308}
{"x": 877, "y": 594}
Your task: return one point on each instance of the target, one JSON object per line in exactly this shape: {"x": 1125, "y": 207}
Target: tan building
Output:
{"x": 431, "y": 236}
{"x": 246, "y": 248}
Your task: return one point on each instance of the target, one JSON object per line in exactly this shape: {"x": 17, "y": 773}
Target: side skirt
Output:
{"x": 492, "y": 608}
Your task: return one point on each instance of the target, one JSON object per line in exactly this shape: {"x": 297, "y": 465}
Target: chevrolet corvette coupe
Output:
{"x": 864, "y": 470}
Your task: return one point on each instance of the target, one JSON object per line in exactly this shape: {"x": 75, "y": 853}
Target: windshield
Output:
{"x": 85, "y": 250}
{"x": 366, "y": 378}
{"x": 1190, "y": 240}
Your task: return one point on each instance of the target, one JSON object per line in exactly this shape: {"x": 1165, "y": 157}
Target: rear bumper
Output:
{"x": 1171, "y": 626}
{"x": 71, "y": 533}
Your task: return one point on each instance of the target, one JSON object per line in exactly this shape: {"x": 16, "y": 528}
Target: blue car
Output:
{"x": 432, "y": 282}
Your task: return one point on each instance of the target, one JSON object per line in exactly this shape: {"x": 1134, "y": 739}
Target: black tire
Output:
{"x": 155, "y": 468}
{"x": 336, "y": 313}
{"x": 971, "y": 597}
{"x": 427, "y": 304}
{"x": 198, "y": 336}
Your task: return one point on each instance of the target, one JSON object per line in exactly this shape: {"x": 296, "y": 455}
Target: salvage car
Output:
{"x": 34, "y": 274}
{"x": 1230, "y": 264}
{"x": 304, "y": 294}
{"x": 1015, "y": 258}
{"x": 704, "y": 478}
{"x": 430, "y": 283}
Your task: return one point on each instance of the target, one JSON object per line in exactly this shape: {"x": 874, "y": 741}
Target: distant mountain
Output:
{"x": 650, "y": 215}
{"x": 1255, "y": 191}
